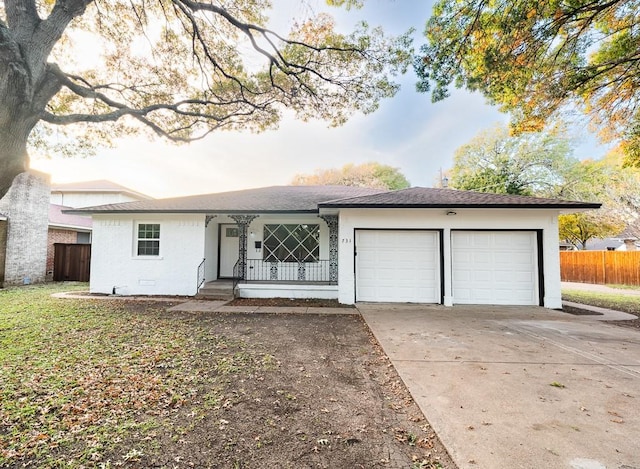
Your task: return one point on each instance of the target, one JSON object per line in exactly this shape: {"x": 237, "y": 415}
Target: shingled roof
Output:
{"x": 275, "y": 199}
{"x": 58, "y": 218}
{"x": 310, "y": 199}
{"x": 422, "y": 197}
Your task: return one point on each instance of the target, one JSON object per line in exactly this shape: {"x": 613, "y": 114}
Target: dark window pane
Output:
{"x": 291, "y": 243}
{"x": 148, "y": 248}
{"x": 149, "y": 239}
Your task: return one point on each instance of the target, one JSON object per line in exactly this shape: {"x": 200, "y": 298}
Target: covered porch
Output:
{"x": 270, "y": 255}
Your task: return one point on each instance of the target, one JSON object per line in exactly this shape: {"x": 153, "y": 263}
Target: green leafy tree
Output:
{"x": 179, "y": 69}
{"x": 578, "y": 228}
{"x": 374, "y": 175}
{"x": 622, "y": 189}
{"x": 535, "y": 59}
{"x": 533, "y": 163}
{"x": 540, "y": 164}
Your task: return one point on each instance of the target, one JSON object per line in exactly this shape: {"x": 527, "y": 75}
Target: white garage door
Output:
{"x": 494, "y": 267}
{"x": 397, "y": 266}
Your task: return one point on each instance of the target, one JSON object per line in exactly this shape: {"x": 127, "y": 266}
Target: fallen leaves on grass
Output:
{"x": 78, "y": 376}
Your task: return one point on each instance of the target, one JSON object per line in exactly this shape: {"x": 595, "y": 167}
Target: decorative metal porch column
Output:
{"x": 332, "y": 223}
{"x": 243, "y": 222}
{"x": 207, "y": 219}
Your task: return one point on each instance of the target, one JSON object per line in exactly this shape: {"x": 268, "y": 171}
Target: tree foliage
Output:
{"x": 373, "y": 174}
{"x": 578, "y": 228}
{"x": 622, "y": 191}
{"x": 535, "y": 59}
{"x": 534, "y": 163}
{"x": 541, "y": 164}
{"x": 179, "y": 69}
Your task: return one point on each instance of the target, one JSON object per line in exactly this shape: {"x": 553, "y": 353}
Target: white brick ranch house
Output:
{"x": 354, "y": 244}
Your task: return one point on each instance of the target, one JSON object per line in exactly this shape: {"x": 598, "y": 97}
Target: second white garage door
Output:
{"x": 494, "y": 267}
{"x": 398, "y": 266}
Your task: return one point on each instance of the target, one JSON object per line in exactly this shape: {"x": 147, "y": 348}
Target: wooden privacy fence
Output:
{"x": 603, "y": 267}
{"x": 71, "y": 262}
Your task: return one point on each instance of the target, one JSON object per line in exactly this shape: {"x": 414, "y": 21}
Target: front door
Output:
{"x": 229, "y": 246}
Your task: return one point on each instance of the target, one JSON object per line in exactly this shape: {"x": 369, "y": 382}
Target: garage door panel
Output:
{"x": 494, "y": 267}
{"x": 397, "y": 266}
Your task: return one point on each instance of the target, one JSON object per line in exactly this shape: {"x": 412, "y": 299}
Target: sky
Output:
{"x": 407, "y": 131}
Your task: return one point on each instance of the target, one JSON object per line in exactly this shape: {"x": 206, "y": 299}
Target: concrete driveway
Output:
{"x": 518, "y": 387}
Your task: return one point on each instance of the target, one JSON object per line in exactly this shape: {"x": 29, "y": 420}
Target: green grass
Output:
{"x": 77, "y": 376}
{"x": 628, "y": 304}
{"x": 623, "y": 287}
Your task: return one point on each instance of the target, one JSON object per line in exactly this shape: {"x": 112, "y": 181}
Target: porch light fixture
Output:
{"x": 451, "y": 213}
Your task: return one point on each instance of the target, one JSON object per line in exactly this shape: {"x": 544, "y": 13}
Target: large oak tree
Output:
{"x": 177, "y": 68}
{"x": 536, "y": 59}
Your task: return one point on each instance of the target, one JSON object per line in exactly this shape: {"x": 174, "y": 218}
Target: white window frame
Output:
{"x": 138, "y": 239}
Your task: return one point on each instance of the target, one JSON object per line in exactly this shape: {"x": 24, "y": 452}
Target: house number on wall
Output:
{"x": 346, "y": 240}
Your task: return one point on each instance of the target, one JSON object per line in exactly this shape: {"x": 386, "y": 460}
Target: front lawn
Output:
{"x": 112, "y": 383}
{"x": 628, "y": 304}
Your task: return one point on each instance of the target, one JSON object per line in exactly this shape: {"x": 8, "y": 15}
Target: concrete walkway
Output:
{"x": 601, "y": 314}
{"x": 518, "y": 387}
{"x": 209, "y": 306}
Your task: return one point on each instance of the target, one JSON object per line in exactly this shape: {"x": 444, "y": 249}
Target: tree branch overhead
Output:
{"x": 180, "y": 69}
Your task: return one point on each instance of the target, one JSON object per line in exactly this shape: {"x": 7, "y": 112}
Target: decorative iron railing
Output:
{"x": 200, "y": 274}
{"x": 237, "y": 276}
{"x": 259, "y": 270}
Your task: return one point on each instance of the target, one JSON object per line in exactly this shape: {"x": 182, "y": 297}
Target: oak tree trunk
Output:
{"x": 14, "y": 131}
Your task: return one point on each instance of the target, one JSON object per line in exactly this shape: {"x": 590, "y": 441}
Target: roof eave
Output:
{"x": 202, "y": 211}
{"x": 63, "y": 226}
{"x": 473, "y": 206}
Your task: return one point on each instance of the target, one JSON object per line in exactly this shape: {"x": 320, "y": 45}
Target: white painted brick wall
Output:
{"x": 26, "y": 207}
{"x": 114, "y": 262}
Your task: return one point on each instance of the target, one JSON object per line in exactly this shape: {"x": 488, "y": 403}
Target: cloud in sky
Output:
{"x": 407, "y": 131}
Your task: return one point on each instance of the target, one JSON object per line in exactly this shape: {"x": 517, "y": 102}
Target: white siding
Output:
{"x": 114, "y": 262}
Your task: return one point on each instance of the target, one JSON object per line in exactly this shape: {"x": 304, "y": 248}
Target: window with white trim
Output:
{"x": 148, "y": 239}
{"x": 291, "y": 243}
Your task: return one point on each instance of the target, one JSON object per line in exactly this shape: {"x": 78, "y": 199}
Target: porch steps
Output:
{"x": 216, "y": 290}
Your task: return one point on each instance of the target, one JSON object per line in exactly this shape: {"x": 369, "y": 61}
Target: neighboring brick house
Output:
{"x": 76, "y": 229}
{"x": 66, "y": 229}
{"x": 23, "y": 229}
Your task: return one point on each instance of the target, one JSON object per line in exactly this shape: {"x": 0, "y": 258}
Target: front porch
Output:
{"x": 270, "y": 255}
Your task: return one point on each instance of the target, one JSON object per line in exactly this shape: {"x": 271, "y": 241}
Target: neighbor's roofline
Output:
{"x": 116, "y": 189}
{"x": 70, "y": 227}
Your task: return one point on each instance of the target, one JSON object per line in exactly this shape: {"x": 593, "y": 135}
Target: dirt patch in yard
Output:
{"x": 324, "y": 396}
{"x": 580, "y": 311}
{"x": 632, "y": 323}
{"x": 142, "y": 387}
